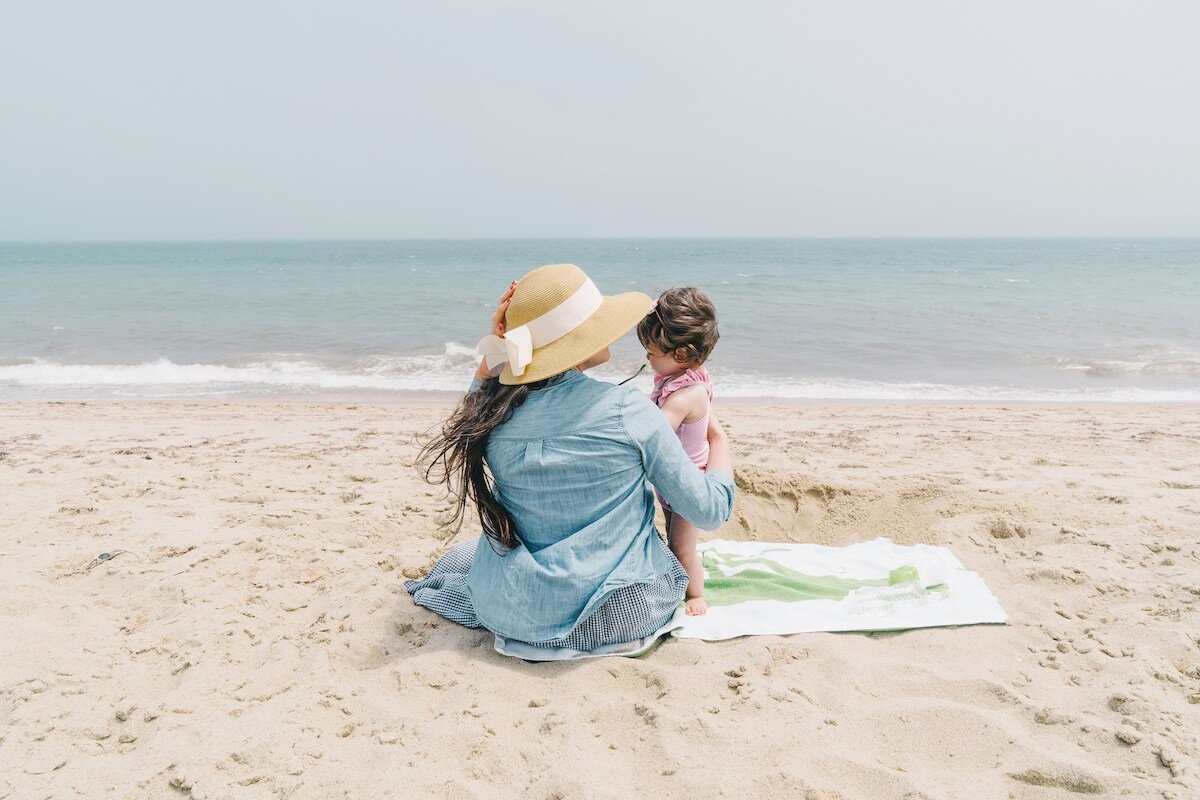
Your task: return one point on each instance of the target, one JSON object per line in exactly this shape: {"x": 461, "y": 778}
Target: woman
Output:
{"x": 560, "y": 469}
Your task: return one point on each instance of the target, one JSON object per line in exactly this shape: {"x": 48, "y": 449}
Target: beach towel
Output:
{"x": 755, "y": 588}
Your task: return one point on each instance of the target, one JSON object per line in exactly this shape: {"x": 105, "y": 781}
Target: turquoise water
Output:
{"x": 802, "y": 318}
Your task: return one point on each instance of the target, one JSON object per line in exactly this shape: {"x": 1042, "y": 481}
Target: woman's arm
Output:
{"x": 704, "y": 499}
{"x": 498, "y": 328}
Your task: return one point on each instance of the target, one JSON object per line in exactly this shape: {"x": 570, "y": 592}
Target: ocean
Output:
{"x": 869, "y": 319}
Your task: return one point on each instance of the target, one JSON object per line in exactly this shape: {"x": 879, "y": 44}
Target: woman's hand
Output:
{"x": 715, "y": 431}
{"x": 499, "y": 326}
{"x": 720, "y": 459}
{"x": 498, "y": 323}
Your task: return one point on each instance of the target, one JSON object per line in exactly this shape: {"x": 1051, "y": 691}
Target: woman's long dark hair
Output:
{"x": 455, "y": 456}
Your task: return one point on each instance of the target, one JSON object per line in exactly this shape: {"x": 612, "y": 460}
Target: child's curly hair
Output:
{"x": 682, "y": 325}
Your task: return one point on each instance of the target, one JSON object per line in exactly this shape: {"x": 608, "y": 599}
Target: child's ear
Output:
{"x": 680, "y": 354}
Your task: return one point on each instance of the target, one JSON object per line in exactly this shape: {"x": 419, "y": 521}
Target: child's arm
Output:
{"x": 687, "y": 405}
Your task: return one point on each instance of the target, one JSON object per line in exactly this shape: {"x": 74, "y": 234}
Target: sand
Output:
{"x": 255, "y": 641}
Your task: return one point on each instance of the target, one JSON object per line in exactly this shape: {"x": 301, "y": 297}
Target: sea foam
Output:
{"x": 451, "y": 371}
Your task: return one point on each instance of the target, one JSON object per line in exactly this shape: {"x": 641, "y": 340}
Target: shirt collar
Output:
{"x": 563, "y": 378}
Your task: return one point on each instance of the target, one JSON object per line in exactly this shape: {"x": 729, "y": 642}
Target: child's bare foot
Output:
{"x": 695, "y": 606}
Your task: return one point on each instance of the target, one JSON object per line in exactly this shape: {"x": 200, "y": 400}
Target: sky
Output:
{"x": 281, "y": 120}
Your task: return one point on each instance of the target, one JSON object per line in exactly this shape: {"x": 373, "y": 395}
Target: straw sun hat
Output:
{"x": 556, "y": 318}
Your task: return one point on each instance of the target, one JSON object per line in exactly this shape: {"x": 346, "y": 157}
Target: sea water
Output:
{"x": 908, "y": 319}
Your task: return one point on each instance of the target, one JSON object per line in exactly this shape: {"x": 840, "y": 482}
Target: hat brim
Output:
{"x": 616, "y": 316}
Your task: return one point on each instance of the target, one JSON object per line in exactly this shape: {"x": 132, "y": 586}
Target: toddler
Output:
{"x": 679, "y": 334}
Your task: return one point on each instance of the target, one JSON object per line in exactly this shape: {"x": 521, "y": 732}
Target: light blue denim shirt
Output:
{"x": 574, "y": 467}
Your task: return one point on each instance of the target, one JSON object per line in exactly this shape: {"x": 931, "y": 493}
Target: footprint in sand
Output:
{"x": 1072, "y": 780}
{"x": 249, "y": 499}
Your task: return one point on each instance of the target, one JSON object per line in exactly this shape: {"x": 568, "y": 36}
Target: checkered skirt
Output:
{"x": 630, "y": 613}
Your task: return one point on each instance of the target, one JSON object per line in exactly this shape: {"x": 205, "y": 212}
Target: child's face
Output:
{"x": 662, "y": 363}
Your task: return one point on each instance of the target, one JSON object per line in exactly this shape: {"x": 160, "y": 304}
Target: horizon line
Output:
{"x": 276, "y": 240}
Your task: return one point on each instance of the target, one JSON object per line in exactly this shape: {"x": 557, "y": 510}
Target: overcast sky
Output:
{"x": 157, "y": 120}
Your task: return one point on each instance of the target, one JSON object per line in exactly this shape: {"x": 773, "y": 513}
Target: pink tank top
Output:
{"x": 692, "y": 435}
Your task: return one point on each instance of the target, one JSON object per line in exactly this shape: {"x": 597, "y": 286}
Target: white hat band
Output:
{"x": 516, "y": 346}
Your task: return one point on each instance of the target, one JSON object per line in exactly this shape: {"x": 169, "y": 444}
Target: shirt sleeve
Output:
{"x": 475, "y": 384}
{"x": 704, "y": 499}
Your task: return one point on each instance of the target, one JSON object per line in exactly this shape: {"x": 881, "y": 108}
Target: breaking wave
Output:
{"x": 450, "y": 371}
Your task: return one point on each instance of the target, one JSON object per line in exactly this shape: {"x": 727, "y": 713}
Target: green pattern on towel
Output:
{"x": 777, "y": 582}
